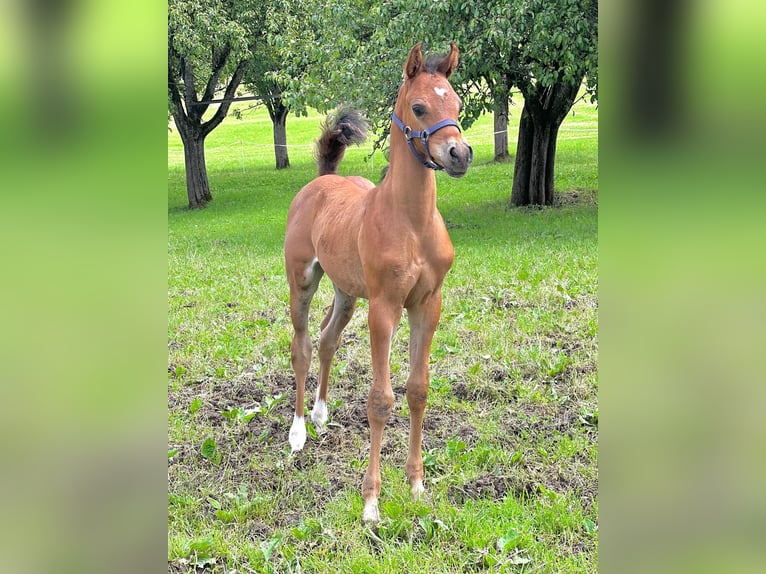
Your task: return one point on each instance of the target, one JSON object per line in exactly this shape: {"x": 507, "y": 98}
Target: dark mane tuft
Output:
{"x": 432, "y": 61}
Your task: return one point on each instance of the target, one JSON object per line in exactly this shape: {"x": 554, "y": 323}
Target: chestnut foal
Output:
{"x": 387, "y": 244}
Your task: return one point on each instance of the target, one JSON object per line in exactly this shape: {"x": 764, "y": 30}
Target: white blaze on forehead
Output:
{"x": 440, "y": 91}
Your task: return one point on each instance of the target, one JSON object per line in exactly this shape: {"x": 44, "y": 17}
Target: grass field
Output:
{"x": 510, "y": 439}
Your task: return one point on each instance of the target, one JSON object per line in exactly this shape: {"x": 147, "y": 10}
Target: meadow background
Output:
{"x": 510, "y": 439}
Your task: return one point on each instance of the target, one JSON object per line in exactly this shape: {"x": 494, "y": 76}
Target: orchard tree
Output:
{"x": 276, "y": 60}
{"x": 259, "y": 79}
{"x": 209, "y": 46}
{"x": 327, "y": 58}
{"x": 557, "y": 50}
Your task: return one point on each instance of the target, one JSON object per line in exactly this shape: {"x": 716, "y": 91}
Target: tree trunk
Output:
{"x": 533, "y": 174}
{"x": 543, "y": 112}
{"x": 197, "y": 186}
{"x": 500, "y": 109}
{"x": 550, "y": 163}
{"x": 539, "y": 161}
{"x": 279, "y": 122}
{"x": 523, "y": 166}
{"x": 278, "y": 113}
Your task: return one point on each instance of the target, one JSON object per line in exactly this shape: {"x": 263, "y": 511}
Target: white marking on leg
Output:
{"x": 308, "y": 273}
{"x": 370, "y": 513}
{"x": 417, "y": 490}
{"x": 440, "y": 91}
{"x": 297, "y": 434}
{"x": 319, "y": 412}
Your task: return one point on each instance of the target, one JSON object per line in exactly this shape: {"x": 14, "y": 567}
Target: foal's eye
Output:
{"x": 418, "y": 110}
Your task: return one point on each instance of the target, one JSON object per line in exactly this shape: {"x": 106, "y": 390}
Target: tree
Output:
{"x": 209, "y": 44}
{"x": 327, "y": 58}
{"x": 558, "y": 49}
{"x": 260, "y": 82}
{"x": 275, "y": 61}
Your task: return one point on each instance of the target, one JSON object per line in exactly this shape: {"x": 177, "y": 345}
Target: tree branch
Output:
{"x": 223, "y": 109}
{"x": 273, "y": 105}
{"x": 219, "y": 62}
{"x": 193, "y": 111}
{"x": 179, "y": 114}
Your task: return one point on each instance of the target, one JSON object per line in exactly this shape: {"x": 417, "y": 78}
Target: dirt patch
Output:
{"x": 524, "y": 483}
{"x": 490, "y": 393}
{"x": 493, "y": 487}
{"x": 176, "y": 567}
{"x": 351, "y": 415}
{"x": 576, "y": 197}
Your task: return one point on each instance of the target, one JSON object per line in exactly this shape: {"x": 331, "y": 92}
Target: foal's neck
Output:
{"x": 411, "y": 187}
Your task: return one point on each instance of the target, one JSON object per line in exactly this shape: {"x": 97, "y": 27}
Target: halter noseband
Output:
{"x": 423, "y": 135}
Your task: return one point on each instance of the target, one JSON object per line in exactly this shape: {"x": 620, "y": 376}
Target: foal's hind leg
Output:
{"x": 332, "y": 327}
{"x": 303, "y": 284}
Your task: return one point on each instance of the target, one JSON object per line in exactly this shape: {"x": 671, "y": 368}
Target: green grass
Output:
{"x": 510, "y": 441}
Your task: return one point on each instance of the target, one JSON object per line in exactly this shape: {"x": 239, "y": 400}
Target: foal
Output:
{"x": 387, "y": 244}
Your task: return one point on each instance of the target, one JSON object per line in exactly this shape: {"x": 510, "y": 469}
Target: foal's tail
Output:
{"x": 343, "y": 127}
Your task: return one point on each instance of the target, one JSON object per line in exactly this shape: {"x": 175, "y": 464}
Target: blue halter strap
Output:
{"x": 423, "y": 135}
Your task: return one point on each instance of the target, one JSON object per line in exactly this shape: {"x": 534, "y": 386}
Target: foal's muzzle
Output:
{"x": 458, "y": 158}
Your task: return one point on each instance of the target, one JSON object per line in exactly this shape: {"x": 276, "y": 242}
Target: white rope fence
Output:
{"x": 251, "y": 151}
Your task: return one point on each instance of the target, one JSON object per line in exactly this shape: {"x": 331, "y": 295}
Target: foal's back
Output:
{"x": 323, "y": 226}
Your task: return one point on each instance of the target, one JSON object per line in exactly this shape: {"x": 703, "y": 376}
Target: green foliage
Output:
{"x": 199, "y": 552}
{"x": 278, "y": 56}
{"x": 209, "y": 450}
{"x": 502, "y": 43}
{"x": 199, "y": 31}
{"x": 558, "y": 42}
{"x": 198, "y": 27}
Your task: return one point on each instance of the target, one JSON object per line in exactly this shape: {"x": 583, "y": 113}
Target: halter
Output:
{"x": 423, "y": 135}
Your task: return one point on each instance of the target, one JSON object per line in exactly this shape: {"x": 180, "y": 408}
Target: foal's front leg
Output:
{"x": 383, "y": 319}
{"x": 423, "y": 320}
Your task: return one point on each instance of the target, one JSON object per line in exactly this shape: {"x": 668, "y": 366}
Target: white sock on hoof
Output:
{"x": 297, "y": 434}
{"x": 417, "y": 490}
{"x": 319, "y": 413}
{"x": 370, "y": 513}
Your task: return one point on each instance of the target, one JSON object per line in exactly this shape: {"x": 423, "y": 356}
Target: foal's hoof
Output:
{"x": 319, "y": 414}
{"x": 370, "y": 514}
{"x": 417, "y": 491}
{"x": 297, "y": 435}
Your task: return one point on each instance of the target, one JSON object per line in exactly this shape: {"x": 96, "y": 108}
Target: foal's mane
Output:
{"x": 432, "y": 61}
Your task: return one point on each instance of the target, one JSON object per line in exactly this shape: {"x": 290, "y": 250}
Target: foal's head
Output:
{"x": 427, "y": 98}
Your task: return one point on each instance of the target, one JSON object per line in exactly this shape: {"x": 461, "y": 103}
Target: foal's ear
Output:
{"x": 414, "y": 61}
{"x": 449, "y": 62}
